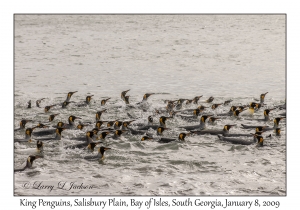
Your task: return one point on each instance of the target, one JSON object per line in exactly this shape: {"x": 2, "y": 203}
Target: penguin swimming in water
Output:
{"x": 118, "y": 133}
{"x": 276, "y": 124}
{"x": 259, "y": 141}
{"x": 27, "y": 138}
{"x": 86, "y": 102}
{"x": 162, "y": 123}
{"x": 201, "y": 126}
{"x": 223, "y": 131}
{"x": 22, "y": 124}
{"x": 229, "y": 113}
{"x": 192, "y": 111}
{"x": 88, "y": 139}
{"x": 70, "y": 95}
{"x": 100, "y": 154}
{"x": 29, "y": 162}
{"x": 48, "y": 131}
{"x": 58, "y": 132}
{"x": 266, "y": 115}
{"x": 181, "y": 137}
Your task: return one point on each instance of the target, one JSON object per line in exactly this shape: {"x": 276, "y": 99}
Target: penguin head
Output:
{"x": 118, "y": 123}
{"x": 71, "y": 93}
{"x": 95, "y": 131}
{"x": 236, "y": 112}
{"x": 233, "y": 108}
{"x": 28, "y": 132}
{"x": 47, "y": 108}
{"x": 262, "y": 96}
{"x": 52, "y": 116}
{"x": 39, "y": 145}
{"x": 103, "y": 102}
{"x": 189, "y": 101}
{"x": 103, "y": 135}
{"x": 146, "y": 138}
{"x": 59, "y": 130}
{"x": 227, "y": 127}
{"x": 260, "y": 128}
{"x": 146, "y": 96}
{"x": 267, "y": 111}
{"x": 41, "y": 125}
{"x": 88, "y": 99}
{"x": 23, "y": 123}
{"x": 201, "y": 108}
{"x": 89, "y": 134}
{"x": 99, "y": 123}
{"x": 214, "y": 106}
{"x": 30, "y": 160}
{"x": 277, "y": 119}
{"x": 72, "y": 118}
{"x": 118, "y": 132}
{"x": 37, "y": 103}
{"x": 182, "y": 136}
{"x": 124, "y": 92}
{"x": 162, "y": 120}
{"x": 92, "y": 145}
{"x": 110, "y": 123}
{"x": 150, "y": 119}
{"x": 126, "y": 123}
{"x": 204, "y": 117}
{"x": 101, "y": 150}
{"x": 160, "y": 130}
{"x": 80, "y": 126}
{"x": 210, "y": 99}
{"x": 196, "y": 99}
{"x": 60, "y": 124}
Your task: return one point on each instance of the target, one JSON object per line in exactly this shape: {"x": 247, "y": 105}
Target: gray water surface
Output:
{"x": 234, "y": 57}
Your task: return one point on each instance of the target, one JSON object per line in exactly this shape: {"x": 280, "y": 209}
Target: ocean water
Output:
{"x": 234, "y": 57}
